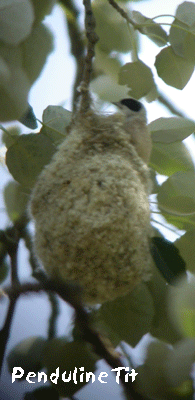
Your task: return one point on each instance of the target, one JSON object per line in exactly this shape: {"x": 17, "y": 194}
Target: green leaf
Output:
{"x": 182, "y": 40}
{"x": 152, "y": 95}
{"x": 177, "y": 194}
{"x": 186, "y": 12}
{"x": 183, "y": 222}
{"x": 27, "y": 354}
{"x": 181, "y": 303}
{"x": 35, "y": 50}
{"x": 4, "y": 71}
{"x": 173, "y": 69}
{"x": 107, "y": 89}
{"x": 182, "y": 37}
{"x": 106, "y": 76}
{"x": 150, "y": 28}
{"x": 67, "y": 356}
{"x": 14, "y": 96}
{"x": 26, "y": 158}
{"x": 138, "y": 77}
{"x": 166, "y": 159}
{"x": 111, "y": 29}
{"x": 165, "y": 372}
{"x": 168, "y": 130}
{"x": 162, "y": 326}
{"x": 15, "y": 200}
{"x": 42, "y": 8}
{"x": 13, "y": 90}
{"x": 167, "y": 259}
{"x": 186, "y": 246}
{"x": 189, "y": 46}
{"x": 177, "y": 36}
{"x": 105, "y": 64}
{"x": 19, "y": 67}
{"x": 10, "y": 136}
{"x": 130, "y": 316}
{"x": 29, "y": 119}
{"x": 55, "y": 121}
{"x": 16, "y": 20}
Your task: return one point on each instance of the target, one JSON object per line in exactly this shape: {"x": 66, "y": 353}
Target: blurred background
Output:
{"x": 54, "y": 87}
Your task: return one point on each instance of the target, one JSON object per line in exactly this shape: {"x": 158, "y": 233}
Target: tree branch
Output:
{"x": 77, "y": 45}
{"x": 5, "y": 331}
{"x": 54, "y": 302}
{"x": 29, "y": 245}
{"x": 11, "y": 238}
{"x": 163, "y": 100}
{"x": 71, "y": 293}
{"x": 92, "y": 39}
{"x": 123, "y": 13}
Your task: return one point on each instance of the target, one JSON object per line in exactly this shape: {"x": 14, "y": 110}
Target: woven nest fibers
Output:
{"x": 91, "y": 211}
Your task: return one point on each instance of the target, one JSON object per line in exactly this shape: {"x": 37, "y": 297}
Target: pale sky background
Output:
{"x": 54, "y": 88}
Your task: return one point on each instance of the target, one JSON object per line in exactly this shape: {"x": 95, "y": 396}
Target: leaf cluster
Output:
{"x": 25, "y": 43}
{"x": 36, "y": 353}
{"x": 174, "y": 63}
{"x": 145, "y": 309}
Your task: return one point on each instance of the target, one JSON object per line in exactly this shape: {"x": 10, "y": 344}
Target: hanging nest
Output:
{"x": 91, "y": 210}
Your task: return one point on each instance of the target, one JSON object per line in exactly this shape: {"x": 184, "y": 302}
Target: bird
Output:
{"x": 165, "y": 254}
{"x": 136, "y": 124}
{"x": 90, "y": 204}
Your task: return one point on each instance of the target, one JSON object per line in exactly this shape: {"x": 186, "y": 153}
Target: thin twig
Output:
{"x": 92, "y": 39}
{"x": 29, "y": 245}
{"x": 163, "y": 100}
{"x": 5, "y": 331}
{"x": 174, "y": 230}
{"x": 123, "y": 13}
{"x": 11, "y": 238}
{"x": 77, "y": 44}
{"x": 54, "y": 315}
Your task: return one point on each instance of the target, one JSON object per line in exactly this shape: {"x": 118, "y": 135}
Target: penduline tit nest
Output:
{"x": 90, "y": 204}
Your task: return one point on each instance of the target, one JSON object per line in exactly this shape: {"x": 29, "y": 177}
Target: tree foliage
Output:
{"x": 166, "y": 312}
